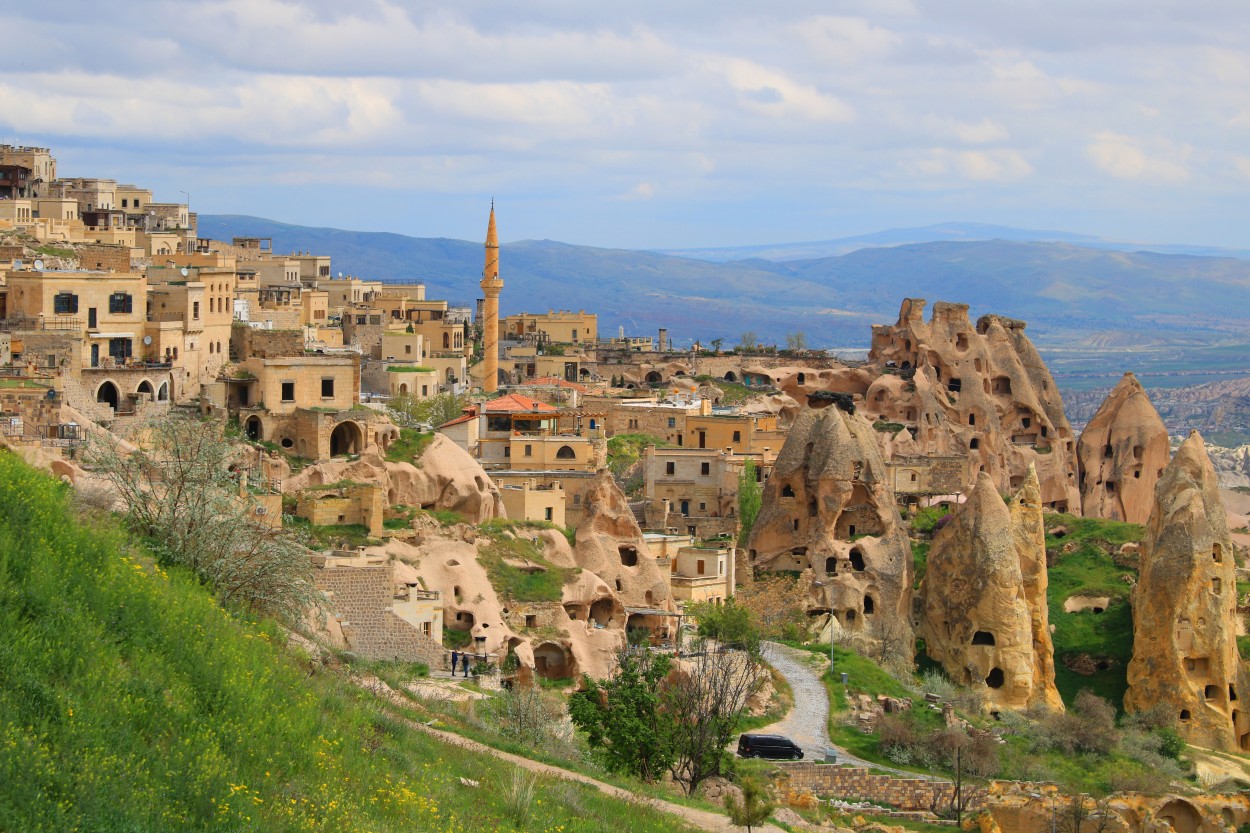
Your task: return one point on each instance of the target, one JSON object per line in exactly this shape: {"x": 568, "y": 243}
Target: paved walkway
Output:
{"x": 807, "y": 724}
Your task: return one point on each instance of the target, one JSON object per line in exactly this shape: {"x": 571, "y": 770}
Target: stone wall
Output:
{"x": 247, "y": 343}
{"x": 105, "y": 258}
{"x": 363, "y": 597}
{"x": 852, "y": 782}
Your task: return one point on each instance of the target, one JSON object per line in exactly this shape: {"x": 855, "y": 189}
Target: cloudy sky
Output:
{"x": 656, "y": 124}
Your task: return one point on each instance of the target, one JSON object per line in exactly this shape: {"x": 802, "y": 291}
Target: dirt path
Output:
{"x": 807, "y": 724}
{"x": 699, "y": 818}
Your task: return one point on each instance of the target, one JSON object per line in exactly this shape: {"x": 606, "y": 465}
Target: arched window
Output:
{"x": 566, "y": 453}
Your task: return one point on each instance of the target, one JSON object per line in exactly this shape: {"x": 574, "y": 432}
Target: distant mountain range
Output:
{"x": 1078, "y": 291}
{"x": 948, "y": 232}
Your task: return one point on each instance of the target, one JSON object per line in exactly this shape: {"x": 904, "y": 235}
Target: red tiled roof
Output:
{"x": 458, "y": 421}
{"x": 516, "y": 403}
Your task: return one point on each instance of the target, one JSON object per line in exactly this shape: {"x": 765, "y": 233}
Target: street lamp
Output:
{"x": 831, "y": 617}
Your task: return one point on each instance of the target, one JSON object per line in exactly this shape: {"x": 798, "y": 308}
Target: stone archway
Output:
{"x": 162, "y": 395}
{"x": 1182, "y": 815}
{"x": 108, "y": 394}
{"x": 552, "y": 661}
{"x": 730, "y": 376}
{"x": 654, "y": 378}
{"x": 254, "y": 428}
{"x": 346, "y": 438}
{"x": 145, "y": 387}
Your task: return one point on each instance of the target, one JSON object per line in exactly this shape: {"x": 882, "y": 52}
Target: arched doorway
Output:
{"x": 730, "y": 376}
{"x": 551, "y": 661}
{"x": 1182, "y": 815}
{"x": 346, "y": 438}
{"x": 253, "y": 428}
{"x": 654, "y": 378}
{"x": 107, "y": 393}
{"x": 144, "y": 387}
{"x": 163, "y": 394}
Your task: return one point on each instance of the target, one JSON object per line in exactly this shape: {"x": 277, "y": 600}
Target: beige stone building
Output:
{"x": 559, "y": 327}
{"x": 695, "y": 491}
{"x": 703, "y": 574}
{"x": 517, "y": 432}
{"x": 533, "y": 500}
{"x": 361, "y": 504}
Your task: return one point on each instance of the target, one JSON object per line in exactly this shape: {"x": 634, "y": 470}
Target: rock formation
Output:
{"x": 1184, "y": 609}
{"x": 980, "y": 395}
{"x": 609, "y": 543}
{"x": 447, "y": 478}
{"x": 1121, "y": 454}
{"x": 828, "y": 507}
{"x": 985, "y": 583}
{"x": 1028, "y": 530}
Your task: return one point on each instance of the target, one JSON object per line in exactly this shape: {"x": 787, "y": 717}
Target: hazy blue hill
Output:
{"x": 1065, "y": 291}
{"x": 943, "y": 232}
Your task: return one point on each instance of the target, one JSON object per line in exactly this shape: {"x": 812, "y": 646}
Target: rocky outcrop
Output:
{"x": 978, "y": 606}
{"x": 982, "y": 393}
{"x": 828, "y": 507}
{"x": 444, "y": 477}
{"x": 1184, "y": 609}
{"x": 609, "y": 543}
{"x": 1028, "y": 531}
{"x": 1121, "y": 455}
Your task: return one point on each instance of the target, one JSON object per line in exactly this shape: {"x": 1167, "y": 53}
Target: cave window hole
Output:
{"x": 983, "y": 638}
{"x": 996, "y": 678}
{"x": 857, "y": 559}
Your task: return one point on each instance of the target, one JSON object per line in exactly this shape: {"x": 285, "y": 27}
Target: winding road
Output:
{"x": 807, "y": 724}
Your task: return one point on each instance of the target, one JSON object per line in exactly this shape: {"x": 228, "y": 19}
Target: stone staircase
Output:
{"x": 83, "y": 401}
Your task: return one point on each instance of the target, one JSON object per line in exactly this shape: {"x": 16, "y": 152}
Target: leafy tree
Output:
{"x": 622, "y": 716}
{"x": 408, "y": 411}
{"x": 717, "y": 344}
{"x": 181, "y": 493}
{"x": 796, "y": 341}
{"x": 704, "y": 700}
{"x": 729, "y": 623}
{"x": 754, "y": 807}
{"x": 750, "y": 498}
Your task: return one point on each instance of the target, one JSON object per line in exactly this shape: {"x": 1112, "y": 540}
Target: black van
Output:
{"x": 768, "y": 746}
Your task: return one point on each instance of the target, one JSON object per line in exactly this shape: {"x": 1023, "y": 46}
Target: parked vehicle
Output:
{"x": 776, "y": 747}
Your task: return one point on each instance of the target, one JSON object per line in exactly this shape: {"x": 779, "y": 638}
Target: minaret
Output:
{"x": 491, "y": 284}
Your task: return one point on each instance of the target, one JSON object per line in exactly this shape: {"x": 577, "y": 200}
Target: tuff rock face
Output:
{"x": 984, "y": 599}
{"x": 1122, "y": 453}
{"x": 828, "y": 507}
{"x": 610, "y": 545}
{"x": 1028, "y": 531}
{"x": 447, "y": 478}
{"x": 982, "y": 393}
{"x": 1184, "y": 609}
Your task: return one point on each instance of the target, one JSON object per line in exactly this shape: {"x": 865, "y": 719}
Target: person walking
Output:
{"x": 455, "y": 657}
{"x": 465, "y": 659}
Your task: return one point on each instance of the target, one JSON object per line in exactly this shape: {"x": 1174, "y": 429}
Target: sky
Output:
{"x": 653, "y": 124}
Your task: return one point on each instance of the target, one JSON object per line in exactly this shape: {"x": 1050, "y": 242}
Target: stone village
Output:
{"x": 114, "y": 312}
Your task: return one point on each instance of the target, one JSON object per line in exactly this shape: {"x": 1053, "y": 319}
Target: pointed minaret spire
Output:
{"x": 491, "y": 286}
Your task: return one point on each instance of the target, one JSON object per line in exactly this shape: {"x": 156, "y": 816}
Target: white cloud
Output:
{"x": 1124, "y": 158}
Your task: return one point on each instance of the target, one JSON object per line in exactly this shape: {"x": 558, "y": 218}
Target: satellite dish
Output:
{"x": 147, "y": 339}
{"x": 52, "y": 394}
{"x": 185, "y": 271}
{"x": 38, "y": 265}
{"x": 340, "y": 274}
{"x": 17, "y": 264}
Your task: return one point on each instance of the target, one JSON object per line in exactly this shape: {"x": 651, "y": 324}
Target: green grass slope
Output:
{"x": 130, "y": 702}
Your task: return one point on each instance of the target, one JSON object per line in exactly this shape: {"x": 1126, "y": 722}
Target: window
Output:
{"x": 123, "y": 203}
{"x": 549, "y": 513}
{"x": 327, "y": 388}
{"x": 672, "y": 422}
{"x": 670, "y": 468}
{"x": 705, "y": 469}
{"x": 408, "y": 348}
{"x": 195, "y": 309}
{"x": 288, "y": 391}
{"x": 737, "y": 436}
{"x": 65, "y": 303}
{"x": 529, "y": 451}
{"x": 507, "y": 451}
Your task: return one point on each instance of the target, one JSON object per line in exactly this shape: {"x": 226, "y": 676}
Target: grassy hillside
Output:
{"x": 130, "y": 702}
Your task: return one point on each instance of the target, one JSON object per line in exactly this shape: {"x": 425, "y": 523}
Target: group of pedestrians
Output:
{"x": 464, "y": 659}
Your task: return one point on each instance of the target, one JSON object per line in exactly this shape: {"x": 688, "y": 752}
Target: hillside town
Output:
{"x": 523, "y": 499}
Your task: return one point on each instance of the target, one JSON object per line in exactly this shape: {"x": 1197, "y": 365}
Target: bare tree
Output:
{"x": 705, "y": 699}
{"x": 178, "y": 489}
